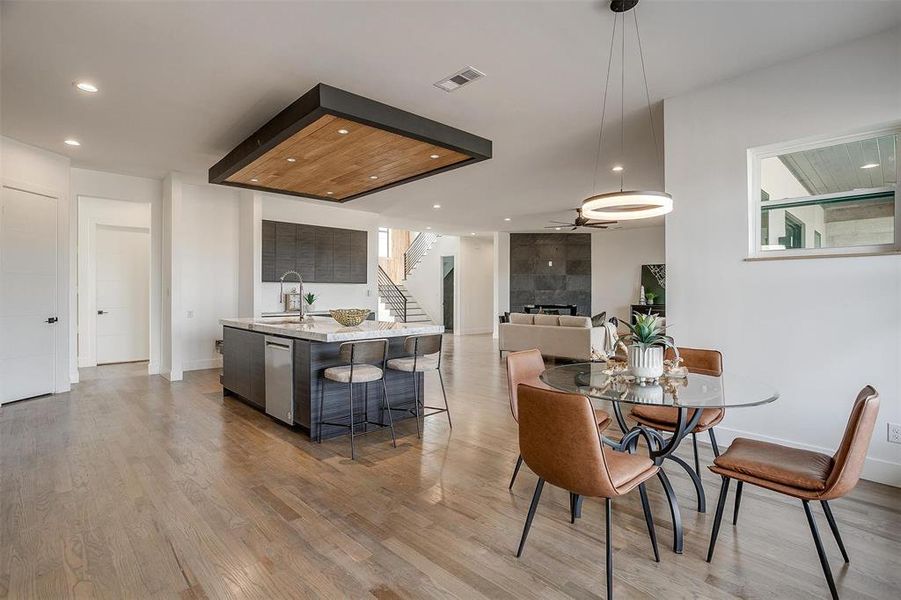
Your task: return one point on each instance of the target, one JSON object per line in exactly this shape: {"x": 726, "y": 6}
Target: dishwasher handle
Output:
{"x": 277, "y": 345}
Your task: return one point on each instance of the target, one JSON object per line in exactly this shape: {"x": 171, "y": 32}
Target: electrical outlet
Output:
{"x": 894, "y": 433}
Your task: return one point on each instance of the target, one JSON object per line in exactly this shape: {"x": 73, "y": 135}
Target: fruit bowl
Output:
{"x": 350, "y": 317}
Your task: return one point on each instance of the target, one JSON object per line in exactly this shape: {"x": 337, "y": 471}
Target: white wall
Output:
{"x": 501, "y": 276}
{"x": 39, "y": 171}
{"x": 426, "y": 282}
{"x": 209, "y": 270}
{"x": 616, "y": 259}
{"x": 330, "y": 295}
{"x": 474, "y": 286}
{"x": 94, "y": 212}
{"x": 818, "y": 330}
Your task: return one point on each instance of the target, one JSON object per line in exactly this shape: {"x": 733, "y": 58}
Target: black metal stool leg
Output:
{"x": 652, "y": 532}
{"x": 834, "y": 528}
{"x": 525, "y": 532}
{"x": 737, "y": 502}
{"x": 721, "y": 503}
{"x": 694, "y": 443}
{"x": 716, "y": 448}
{"x": 351, "y": 386}
{"x": 824, "y": 561}
{"x": 515, "y": 471}
{"x": 416, "y": 405}
{"x": 446, "y": 405}
{"x": 321, "y": 397}
{"x": 390, "y": 417}
{"x": 608, "y": 506}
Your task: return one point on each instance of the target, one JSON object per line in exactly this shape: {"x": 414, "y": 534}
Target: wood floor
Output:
{"x": 129, "y": 487}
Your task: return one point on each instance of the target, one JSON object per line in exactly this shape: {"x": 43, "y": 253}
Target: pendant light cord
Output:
{"x": 597, "y": 163}
{"x": 647, "y": 94}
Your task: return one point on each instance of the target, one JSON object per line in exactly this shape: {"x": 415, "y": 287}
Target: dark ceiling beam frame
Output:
{"x": 327, "y": 100}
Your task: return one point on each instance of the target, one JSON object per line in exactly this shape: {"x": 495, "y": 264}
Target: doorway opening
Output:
{"x": 447, "y": 274}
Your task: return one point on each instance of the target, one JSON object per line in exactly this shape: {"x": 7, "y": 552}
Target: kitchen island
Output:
{"x": 314, "y": 347}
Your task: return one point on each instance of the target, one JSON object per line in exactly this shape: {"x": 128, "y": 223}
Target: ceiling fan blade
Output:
{"x": 562, "y": 222}
{"x": 574, "y": 228}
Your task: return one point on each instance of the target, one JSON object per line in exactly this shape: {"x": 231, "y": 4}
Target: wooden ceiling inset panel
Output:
{"x": 328, "y": 163}
{"x": 334, "y": 145}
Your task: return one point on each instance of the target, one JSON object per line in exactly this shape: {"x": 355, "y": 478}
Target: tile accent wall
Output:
{"x": 567, "y": 280}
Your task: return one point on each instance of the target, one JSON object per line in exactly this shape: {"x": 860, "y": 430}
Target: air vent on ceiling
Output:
{"x": 459, "y": 79}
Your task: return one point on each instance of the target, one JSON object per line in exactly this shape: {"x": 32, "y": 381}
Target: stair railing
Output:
{"x": 393, "y": 296}
{"x": 421, "y": 244}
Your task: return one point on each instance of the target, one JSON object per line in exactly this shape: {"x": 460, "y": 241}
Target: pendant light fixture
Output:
{"x": 624, "y": 205}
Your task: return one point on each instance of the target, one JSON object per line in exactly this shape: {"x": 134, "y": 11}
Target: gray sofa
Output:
{"x": 558, "y": 336}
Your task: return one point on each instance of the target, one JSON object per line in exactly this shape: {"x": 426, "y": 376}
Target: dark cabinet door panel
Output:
{"x": 269, "y": 251}
{"x": 358, "y": 253}
{"x": 305, "y": 257}
{"x": 341, "y": 254}
{"x": 325, "y": 255}
{"x": 319, "y": 254}
{"x": 285, "y": 247}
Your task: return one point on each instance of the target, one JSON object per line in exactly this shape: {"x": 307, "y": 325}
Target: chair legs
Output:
{"x": 737, "y": 502}
{"x": 525, "y": 532}
{"x": 608, "y": 516}
{"x": 352, "y": 419}
{"x": 646, "y": 507}
{"x": 716, "y": 448}
{"x": 515, "y": 471}
{"x": 834, "y": 528}
{"x": 824, "y": 561}
{"x": 721, "y": 503}
{"x": 694, "y": 444}
{"x": 390, "y": 418}
{"x": 446, "y": 405}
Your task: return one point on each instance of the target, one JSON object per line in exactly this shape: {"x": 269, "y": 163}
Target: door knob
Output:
{"x": 101, "y": 312}
{"x": 52, "y": 320}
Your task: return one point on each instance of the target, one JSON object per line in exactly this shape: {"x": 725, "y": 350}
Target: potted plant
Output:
{"x": 650, "y": 297}
{"x": 645, "y": 344}
{"x": 309, "y": 298}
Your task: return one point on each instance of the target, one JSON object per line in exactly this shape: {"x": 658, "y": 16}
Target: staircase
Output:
{"x": 402, "y": 306}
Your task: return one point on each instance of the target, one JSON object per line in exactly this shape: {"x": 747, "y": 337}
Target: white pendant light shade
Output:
{"x": 626, "y": 206}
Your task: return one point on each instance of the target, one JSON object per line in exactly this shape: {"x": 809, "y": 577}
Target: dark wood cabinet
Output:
{"x": 319, "y": 254}
{"x": 244, "y": 364}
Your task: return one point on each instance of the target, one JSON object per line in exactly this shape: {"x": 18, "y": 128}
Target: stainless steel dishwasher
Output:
{"x": 280, "y": 378}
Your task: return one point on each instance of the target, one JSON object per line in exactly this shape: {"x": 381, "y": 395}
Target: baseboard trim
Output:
{"x": 206, "y": 363}
{"x": 473, "y": 331}
{"x": 874, "y": 469}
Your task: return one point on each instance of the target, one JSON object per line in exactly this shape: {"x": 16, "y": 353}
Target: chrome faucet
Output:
{"x": 281, "y": 290}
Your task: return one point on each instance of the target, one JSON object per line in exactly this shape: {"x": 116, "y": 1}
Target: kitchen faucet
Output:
{"x": 281, "y": 290}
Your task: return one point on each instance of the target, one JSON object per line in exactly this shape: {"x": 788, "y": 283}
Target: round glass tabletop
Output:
{"x": 694, "y": 391}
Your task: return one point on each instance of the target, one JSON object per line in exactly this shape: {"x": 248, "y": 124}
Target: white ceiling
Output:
{"x": 183, "y": 82}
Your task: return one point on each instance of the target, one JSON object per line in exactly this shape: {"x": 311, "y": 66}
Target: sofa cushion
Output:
{"x": 572, "y": 321}
{"x": 547, "y": 320}
{"x": 521, "y": 318}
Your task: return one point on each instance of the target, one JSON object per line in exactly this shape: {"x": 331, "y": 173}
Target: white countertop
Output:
{"x": 326, "y": 329}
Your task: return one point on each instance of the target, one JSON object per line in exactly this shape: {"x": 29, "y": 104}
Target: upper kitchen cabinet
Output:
{"x": 319, "y": 254}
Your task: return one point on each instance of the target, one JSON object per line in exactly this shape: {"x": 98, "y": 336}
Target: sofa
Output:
{"x": 560, "y": 336}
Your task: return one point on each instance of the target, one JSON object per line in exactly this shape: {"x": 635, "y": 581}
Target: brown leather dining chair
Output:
{"x": 560, "y": 441}
{"x": 801, "y": 474}
{"x": 526, "y": 367}
{"x": 664, "y": 418}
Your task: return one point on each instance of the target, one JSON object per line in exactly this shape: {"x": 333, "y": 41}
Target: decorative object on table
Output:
{"x": 350, "y": 317}
{"x": 644, "y": 344}
{"x": 292, "y": 301}
{"x": 653, "y": 279}
{"x": 624, "y": 204}
{"x": 310, "y": 299}
{"x": 642, "y": 299}
{"x": 674, "y": 368}
{"x": 597, "y": 356}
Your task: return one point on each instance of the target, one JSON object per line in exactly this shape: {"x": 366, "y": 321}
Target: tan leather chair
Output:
{"x": 560, "y": 441}
{"x": 800, "y": 473}
{"x": 525, "y": 367}
{"x": 665, "y": 418}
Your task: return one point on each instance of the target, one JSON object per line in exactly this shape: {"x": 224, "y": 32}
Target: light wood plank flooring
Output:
{"x": 131, "y": 487}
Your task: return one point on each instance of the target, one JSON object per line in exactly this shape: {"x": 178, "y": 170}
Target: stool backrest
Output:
{"x": 368, "y": 352}
{"x": 420, "y": 345}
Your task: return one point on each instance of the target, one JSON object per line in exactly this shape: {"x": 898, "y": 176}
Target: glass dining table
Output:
{"x": 689, "y": 395}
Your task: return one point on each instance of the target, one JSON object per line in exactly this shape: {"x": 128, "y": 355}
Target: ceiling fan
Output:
{"x": 581, "y": 222}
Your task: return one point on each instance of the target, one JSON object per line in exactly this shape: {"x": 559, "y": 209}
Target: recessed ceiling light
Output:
{"x": 343, "y": 131}
{"x": 373, "y": 176}
{"x": 617, "y": 169}
{"x": 292, "y": 160}
{"x": 71, "y": 142}
{"x": 558, "y": 228}
{"x": 85, "y": 86}
{"x": 436, "y": 206}
{"x": 329, "y": 193}
{"x": 472, "y": 233}
{"x": 433, "y": 156}
{"x": 254, "y": 180}
{"x": 428, "y": 227}
{"x": 870, "y": 166}
{"x": 506, "y": 218}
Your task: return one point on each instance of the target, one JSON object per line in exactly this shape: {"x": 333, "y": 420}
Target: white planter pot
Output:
{"x": 646, "y": 363}
{"x": 651, "y": 393}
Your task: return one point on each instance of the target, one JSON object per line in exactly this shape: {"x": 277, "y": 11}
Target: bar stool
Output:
{"x": 360, "y": 357}
{"x": 425, "y": 355}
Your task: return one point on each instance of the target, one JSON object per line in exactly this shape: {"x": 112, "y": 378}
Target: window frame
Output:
{"x": 756, "y": 155}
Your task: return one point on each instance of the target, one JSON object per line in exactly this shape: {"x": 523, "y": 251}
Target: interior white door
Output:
{"x": 123, "y": 294}
{"x": 28, "y": 302}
